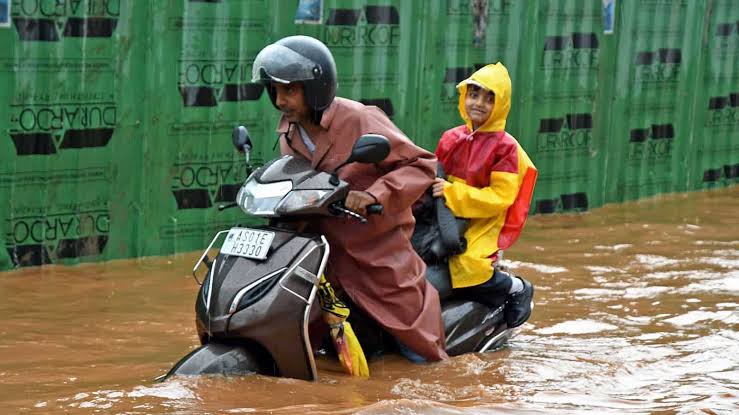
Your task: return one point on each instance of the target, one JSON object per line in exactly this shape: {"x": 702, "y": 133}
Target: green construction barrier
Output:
{"x": 652, "y": 105}
{"x": 117, "y": 114}
{"x": 716, "y": 108}
{"x": 558, "y": 105}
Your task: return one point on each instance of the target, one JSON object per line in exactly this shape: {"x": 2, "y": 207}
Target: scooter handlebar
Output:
{"x": 375, "y": 209}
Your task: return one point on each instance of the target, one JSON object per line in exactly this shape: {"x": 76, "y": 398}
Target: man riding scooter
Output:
{"x": 373, "y": 264}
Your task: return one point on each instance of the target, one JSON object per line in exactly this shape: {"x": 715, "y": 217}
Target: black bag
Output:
{"x": 438, "y": 234}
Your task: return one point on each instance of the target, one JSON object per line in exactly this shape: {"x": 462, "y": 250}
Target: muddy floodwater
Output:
{"x": 637, "y": 311}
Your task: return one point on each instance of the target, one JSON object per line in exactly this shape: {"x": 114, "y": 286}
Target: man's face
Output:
{"x": 479, "y": 104}
{"x": 290, "y": 99}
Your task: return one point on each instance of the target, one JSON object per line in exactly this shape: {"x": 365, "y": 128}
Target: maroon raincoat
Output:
{"x": 374, "y": 263}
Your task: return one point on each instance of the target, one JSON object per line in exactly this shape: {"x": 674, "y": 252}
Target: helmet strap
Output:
{"x": 315, "y": 116}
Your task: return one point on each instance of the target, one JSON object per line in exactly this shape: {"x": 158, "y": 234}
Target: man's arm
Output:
{"x": 411, "y": 170}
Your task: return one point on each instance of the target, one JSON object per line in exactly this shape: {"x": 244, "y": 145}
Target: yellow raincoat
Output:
{"x": 491, "y": 180}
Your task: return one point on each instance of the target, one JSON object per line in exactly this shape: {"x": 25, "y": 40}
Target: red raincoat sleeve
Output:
{"x": 485, "y": 202}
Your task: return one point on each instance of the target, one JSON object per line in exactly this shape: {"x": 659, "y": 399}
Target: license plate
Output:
{"x": 247, "y": 243}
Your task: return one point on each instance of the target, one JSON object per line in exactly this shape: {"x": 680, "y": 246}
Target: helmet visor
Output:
{"x": 281, "y": 64}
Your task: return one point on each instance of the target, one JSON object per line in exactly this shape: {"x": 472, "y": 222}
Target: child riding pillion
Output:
{"x": 490, "y": 181}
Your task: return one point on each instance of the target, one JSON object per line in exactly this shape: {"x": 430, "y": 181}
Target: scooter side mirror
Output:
{"x": 242, "y": 142}
{"x": 241, "y": 139}
{"x": 369, "y": 148}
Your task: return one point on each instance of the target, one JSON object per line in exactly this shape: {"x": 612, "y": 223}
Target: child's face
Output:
{"x": 479, "y": 104}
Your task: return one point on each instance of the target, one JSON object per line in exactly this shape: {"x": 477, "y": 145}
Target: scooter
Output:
{"x": 257, "y": 297}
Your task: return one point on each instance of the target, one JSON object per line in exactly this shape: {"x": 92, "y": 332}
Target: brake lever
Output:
{"x": 338, "y": 209}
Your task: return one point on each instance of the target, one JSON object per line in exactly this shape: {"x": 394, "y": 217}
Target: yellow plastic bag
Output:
{"x": 335, "y": 313}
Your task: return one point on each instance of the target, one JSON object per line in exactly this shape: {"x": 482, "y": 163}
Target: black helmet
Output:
{"x": 298, "y": 59}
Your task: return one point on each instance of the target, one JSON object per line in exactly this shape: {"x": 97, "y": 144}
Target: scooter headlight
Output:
{"x": 261, "y": 199}
{"x": 301, "y": 199}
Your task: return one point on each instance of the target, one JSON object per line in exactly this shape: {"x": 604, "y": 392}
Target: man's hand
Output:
{"x": 437, "y": 189}
{"x": 358, "y": 201}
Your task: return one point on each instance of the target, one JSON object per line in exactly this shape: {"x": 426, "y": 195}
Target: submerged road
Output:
{"x": 637, "y": 311}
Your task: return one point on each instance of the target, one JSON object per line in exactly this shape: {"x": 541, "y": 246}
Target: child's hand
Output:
{"x": 437, "y": 189}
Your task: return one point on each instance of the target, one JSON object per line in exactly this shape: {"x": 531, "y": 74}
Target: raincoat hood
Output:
{"x": 493, "y": 78}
